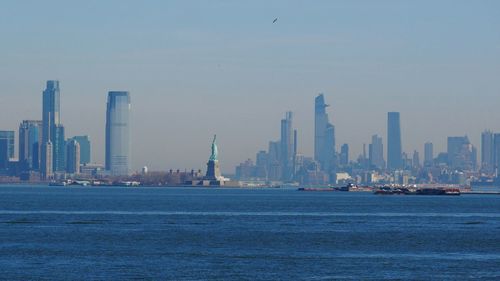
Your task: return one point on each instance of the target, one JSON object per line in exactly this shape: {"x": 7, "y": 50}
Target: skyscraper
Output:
{"x": 46, "y": 161}
{"x": 118, "y": 133}
{"x": 344, "y": 154}
{"x": 428, "y": 154}
{"x": 4, "y": 156}
{"x": 363, "y": 159}
{"x": 487, "y": 149}
{"x": 261, "y": 162}
{"x": 274, "y": 167}
{"x": 416, "y": 160}
{"x": 59, "y": 148}
{"x": 394, "y": 149}
{"x": 324, "y": 136}
{"x": 496, "y": 153}
{"x": 294, "y": 156}
{"x": 474, "y": 157}
{"x": 460, "y": 153}
{"x": 85, "y": 148}
{"x": 30, "y": 139}
{"x": 329, "y": 150}
{"x": 8, "y": 136}
{"x": 73, "y": 157}
{"x": 376, "y": 153}
{"x": 52, "y": 129}
{"x": 287, "y": 146}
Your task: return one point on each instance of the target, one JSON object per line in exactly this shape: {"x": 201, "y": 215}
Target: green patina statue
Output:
{"x": 213, "y": 157}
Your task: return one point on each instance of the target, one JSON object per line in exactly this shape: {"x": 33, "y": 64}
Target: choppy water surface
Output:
{"x": 56, "y": 233}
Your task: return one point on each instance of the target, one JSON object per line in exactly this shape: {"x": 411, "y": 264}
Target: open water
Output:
{"x": 70, "y": 233}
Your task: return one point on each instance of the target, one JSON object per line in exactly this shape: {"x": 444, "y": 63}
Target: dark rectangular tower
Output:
{"x": 376, "y": 153}
{"x": 287, "y": 146}
{"x": 428, "y": 154}
{"x": 118, "y": 133}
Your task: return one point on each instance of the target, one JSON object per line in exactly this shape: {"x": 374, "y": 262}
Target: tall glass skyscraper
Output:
{"x": 4, "y": 156}
{"x": 428, "y": 154}
{"x": 6, "y": 149}
{"x": 376, "y": 153}
{"x": 59, "y": 143}
{"x": 274, "y": 166}
{"x": 496, "y": 153}
{"x": 50, "y": 110}
{"x": 394, "y": 149}
{"x": 73, "y": 157}
{"x": 85, "y": 148}
{"x": 118, "y": 133}
{"x": 52, "y": 130}
{"x": 30, "y": 139}
{"x": 487, "y": 151}
{"x": 287, "y": 146}
{"x": 8, "y": 136}
{"x": 324, "y": 136}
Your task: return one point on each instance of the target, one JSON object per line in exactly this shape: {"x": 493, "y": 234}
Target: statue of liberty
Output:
{"x": 213, "y": 168}
{"x": 215, "y": 151}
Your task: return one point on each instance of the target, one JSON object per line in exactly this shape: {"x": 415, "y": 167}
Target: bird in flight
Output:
{"x": 275, "y": 20}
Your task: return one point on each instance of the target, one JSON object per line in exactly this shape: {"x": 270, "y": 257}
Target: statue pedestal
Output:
{"x": 213, "y": 170}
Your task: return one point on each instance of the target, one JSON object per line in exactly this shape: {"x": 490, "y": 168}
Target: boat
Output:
{"x": 430, "y": 191}
{"x": 57, "y": 183}
{"x": 438, "y": 191}
{"x": 348, "y": 187}
{"x": 386, "y": 190}
{"x": 316, "y": 189}
{"x": 328, "y": 188}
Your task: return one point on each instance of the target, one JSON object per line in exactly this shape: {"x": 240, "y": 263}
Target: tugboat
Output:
{"x": 316, "y": 189}
{"x": 348, "y": 187}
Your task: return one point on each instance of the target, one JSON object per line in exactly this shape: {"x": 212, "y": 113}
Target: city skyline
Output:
{"x": 282, "y": 162}
{"x": 438, "y": 71}
{"x": 250, "y": 140}
{"x": 288, "y": 116}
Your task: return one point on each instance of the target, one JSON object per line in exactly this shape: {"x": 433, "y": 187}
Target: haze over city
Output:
{"x": 198, "y": 68}
{"x": 250, "y": 140}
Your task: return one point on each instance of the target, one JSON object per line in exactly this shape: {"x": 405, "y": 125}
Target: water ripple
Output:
{"x": 232, "y": 214}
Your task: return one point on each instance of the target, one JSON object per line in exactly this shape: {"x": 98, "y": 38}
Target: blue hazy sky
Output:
{"x": 195, "y": 68}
